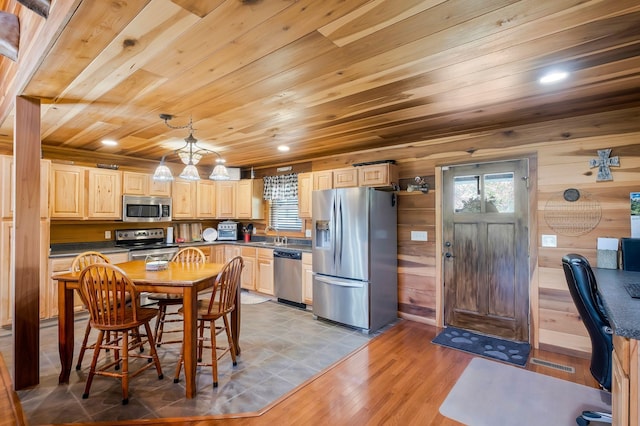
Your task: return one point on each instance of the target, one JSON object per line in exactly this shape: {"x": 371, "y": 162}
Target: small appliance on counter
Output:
{"x": 228, "y": 230}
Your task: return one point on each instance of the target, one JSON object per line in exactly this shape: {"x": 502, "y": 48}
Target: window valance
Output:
{"x": 282, "y": 187}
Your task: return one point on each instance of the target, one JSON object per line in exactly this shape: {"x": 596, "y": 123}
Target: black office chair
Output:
{"x": 584, "y": 292}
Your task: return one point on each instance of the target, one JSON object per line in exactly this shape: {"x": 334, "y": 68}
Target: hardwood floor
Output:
{"x": 400, "y": 377}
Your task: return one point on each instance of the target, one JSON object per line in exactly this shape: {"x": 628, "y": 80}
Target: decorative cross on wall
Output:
{"x": 603, "y": 162}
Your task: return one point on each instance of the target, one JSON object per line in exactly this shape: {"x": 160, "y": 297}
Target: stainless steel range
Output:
{"x": 143, "y": 243}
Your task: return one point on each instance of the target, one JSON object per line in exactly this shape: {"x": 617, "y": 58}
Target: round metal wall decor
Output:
{"x": 572, "y": 213}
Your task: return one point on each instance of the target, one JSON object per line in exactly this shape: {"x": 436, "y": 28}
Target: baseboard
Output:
{"x": 564, "y": 351}
{"x": 416, "y": 318}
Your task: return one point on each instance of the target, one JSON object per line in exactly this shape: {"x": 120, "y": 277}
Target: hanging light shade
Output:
{"x": 190, "y": 154}
{"x": 190, "y": 172}
{"x": 219, "y": 172}
{"x": 162, "y": 173}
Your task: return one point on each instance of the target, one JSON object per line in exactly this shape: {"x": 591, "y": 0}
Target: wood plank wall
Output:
{"x": 562, "y": 149}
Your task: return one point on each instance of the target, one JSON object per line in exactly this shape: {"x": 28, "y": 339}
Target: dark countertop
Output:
{"x": 623, "y": 311}
{"x": 73, "y": 249}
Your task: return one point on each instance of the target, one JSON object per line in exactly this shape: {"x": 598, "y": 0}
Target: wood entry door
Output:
{"x": 485, "y": 235}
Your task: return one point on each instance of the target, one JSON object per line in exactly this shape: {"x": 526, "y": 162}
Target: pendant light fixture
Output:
{"x": 190, "y": 154}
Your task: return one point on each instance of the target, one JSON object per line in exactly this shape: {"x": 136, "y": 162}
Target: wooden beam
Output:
{"x": 9, "y": 35}
{"x": 26, "y": 243}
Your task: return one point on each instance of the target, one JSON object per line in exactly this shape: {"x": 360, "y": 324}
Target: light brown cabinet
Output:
{"x": 345, "y": 178}
{"x": 67, "y": 191}
{"x": 226, "y": 199}
{"x": 206, "y": 199}
{"x": 624, "y": 382}
{"x": 85, "y": 193}
{"x": 134, "y": 183}
{"x": 307, "y": 278}
{"x": 184, "y": 199}
{"x": 249, "y": 199}
{"x": 378, "y": 175}
{"x": 322, "y": 180}
{"x": 305, "y": 191}
{"x": 104, "y": 194}
{"x": 265, "y": 271}
{"x": 6, "y": 182}
{"x": 248, "y": 280}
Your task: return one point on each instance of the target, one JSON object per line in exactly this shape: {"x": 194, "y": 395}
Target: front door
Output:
{"x": 485, "y": 235}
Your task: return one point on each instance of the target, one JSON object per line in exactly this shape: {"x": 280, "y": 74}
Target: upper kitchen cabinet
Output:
{"x": 104, "y": 194}
{"x": 134, "y": 183}
{"x": 323, "y": 180}
{"x": 6, "y": 182}
{"x": 206, "y": 199}
{"x": 85, "y": 193}
{"x": 378, "y": 175}
{"x": 67, "y": 191}
{"x": 345, "y": 178}
{"x": 184, "y": 199}
{"x": 305, "y": 189}
{"x": 249, "y": 199}
{"x": 226, "y": 199}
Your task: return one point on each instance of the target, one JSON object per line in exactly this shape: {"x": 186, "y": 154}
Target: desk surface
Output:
{"x": 623, "y": 311}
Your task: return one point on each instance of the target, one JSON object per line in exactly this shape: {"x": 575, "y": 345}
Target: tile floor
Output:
{"x": 282, "y": 347}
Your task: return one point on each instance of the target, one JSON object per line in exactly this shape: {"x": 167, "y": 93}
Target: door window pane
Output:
{"x": 499, "y": 192}
{"x": 466, "y": 194}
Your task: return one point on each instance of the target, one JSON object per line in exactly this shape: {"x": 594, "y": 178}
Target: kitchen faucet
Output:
{"x": 277, "y": 240}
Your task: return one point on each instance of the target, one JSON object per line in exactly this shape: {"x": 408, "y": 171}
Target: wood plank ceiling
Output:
{"x": 324, "y": 77}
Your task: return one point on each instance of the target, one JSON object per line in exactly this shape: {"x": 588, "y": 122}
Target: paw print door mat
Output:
{"x": 515, "y": 353}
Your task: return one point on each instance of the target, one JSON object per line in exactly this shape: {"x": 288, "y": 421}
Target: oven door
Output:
{"x": 157, "y": 254}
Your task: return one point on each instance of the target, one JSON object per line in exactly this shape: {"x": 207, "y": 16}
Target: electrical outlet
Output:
{"x": 549, "y": 241}
{"x": 107, "y": 235}
{"x": 419, "y": 236}
{"x": 307, "y": 233}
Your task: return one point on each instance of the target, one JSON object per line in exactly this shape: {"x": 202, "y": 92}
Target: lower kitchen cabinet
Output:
{"x": 63, "y": 264}
{"x": 265, "y": 271}
{"x": 624, "y": 382}
{"x": 307, "y": 278}
{"x": 248, "y": 280}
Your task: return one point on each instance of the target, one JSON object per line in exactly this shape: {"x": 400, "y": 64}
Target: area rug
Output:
{"x": 487, "y": 346}
{"x": 247, "y": 298}
{"x": 490, "y": 393}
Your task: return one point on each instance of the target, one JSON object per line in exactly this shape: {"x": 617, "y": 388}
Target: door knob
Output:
{"x": 448, "y": 255}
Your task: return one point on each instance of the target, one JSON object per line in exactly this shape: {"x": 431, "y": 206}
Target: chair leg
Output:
{"x": 232, "y": 347}
{"x": 176, "y": 377}
{"x": 154, "y": 353}
{"x": 159, "y": 327}
{"x": 214, "y": 355}
{"x": 94, "y": 362}
{"x": 83, "y": 348}
{"x": 200, "y": 340}
{"x": 125, "y": 368}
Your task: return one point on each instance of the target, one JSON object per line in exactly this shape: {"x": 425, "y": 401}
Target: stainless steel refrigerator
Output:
{"x": 355, "y": 262}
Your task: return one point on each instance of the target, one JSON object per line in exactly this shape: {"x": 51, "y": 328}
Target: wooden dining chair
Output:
{"x": 185, "y": 255}
{"x": 106, "y": 288}
{"x": 80, "y": 262}
{"x": 221, "y": 303}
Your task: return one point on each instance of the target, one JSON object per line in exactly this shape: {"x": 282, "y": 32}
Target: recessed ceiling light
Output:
{"x": 553, "y": 77}
{"x": 109, "y": 142}
{"x": 283, "y": 148}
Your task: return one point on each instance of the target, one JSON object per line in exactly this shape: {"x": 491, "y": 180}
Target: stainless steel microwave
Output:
{"x": 137, "y": 208}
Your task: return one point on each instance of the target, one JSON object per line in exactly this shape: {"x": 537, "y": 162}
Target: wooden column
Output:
{"x": 26, "y": 243}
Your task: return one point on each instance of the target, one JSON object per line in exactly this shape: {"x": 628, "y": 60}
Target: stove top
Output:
{"x": 142, "y": 238}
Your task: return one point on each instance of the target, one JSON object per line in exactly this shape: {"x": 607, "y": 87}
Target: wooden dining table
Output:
{"x": 180, "y": 278}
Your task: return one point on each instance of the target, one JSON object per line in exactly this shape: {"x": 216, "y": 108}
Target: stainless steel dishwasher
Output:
{"x": 287, "y": 271}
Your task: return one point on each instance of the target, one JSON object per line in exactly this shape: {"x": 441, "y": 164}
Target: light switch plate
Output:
{"x": 549, "y": 240}
{"x": 107, "y": 235}
{"x": 419, "y": 236}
